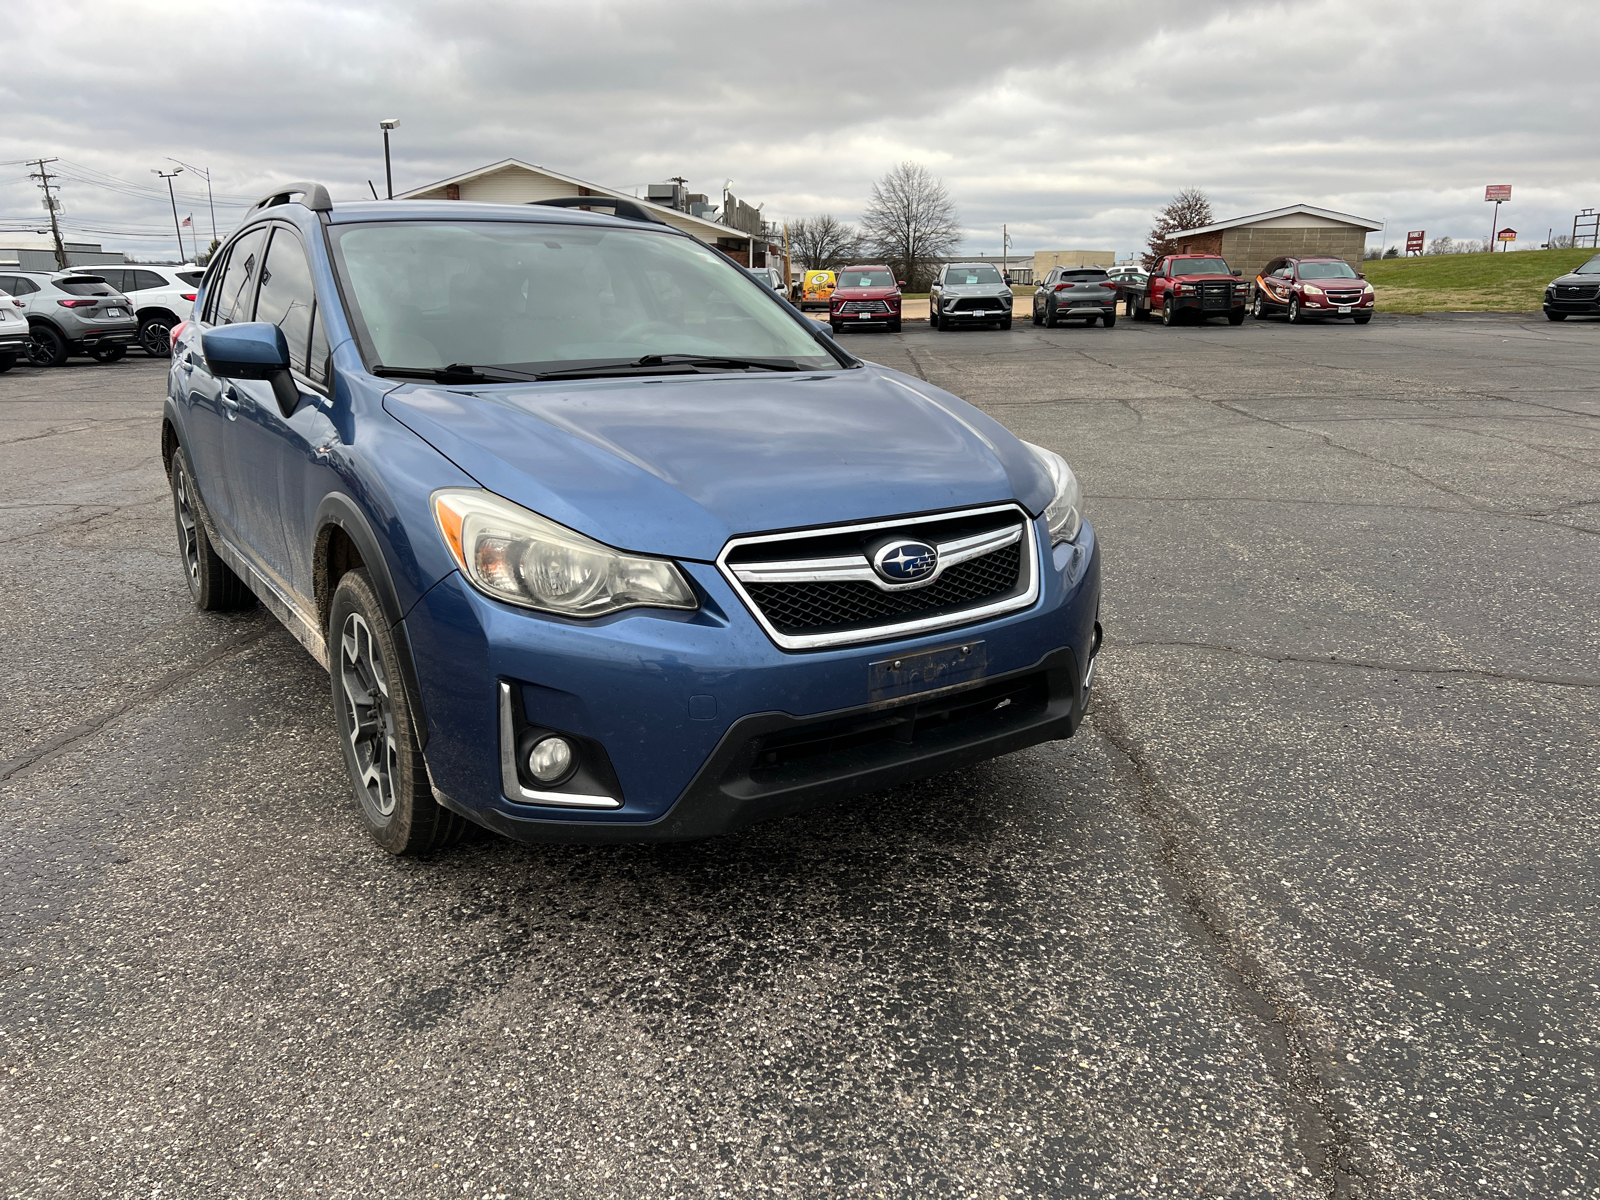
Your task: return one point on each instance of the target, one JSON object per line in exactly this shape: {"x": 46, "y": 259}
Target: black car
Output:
{"x": 1086, "y": 294}
{"x": 1578, "y": 292}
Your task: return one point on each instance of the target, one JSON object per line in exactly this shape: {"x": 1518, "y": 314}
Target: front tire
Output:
{"x": 1006, "y": 324}
{"x": 46, "y": 347}
{"x": 836, "y": 327}
{"x": 894, "y": 326}
{"x": 108, "y": 354}
{"x": 1169, "y": 313}
{"x": 1294, "y": 311}
{"x": 1363, "y": 320}
{"x": 155, "y": 336}
{"x": 212, "y": 584}
{"x": 1258, "y": 307}
{"x": 375, "y": 733}
{"x": 1236, "y": 316}
{"x": 1556, "y": 316}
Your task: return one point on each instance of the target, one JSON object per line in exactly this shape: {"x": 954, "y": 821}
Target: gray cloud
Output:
{"x": 1070, "y": 121}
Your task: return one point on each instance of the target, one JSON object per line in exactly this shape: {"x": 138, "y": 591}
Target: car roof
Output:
{"x": 470, "y": 210}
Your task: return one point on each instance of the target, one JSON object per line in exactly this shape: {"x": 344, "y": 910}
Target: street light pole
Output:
{"x": 387, "y": 124}
{"x": 204, "y": 173}
{"x": 171, "y": 195}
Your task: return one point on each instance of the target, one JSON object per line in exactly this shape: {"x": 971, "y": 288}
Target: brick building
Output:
{"x": 1249, "y": 243}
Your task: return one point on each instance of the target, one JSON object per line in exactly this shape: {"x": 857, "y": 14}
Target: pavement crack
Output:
{"x": 1323, "y": 1138}
{"x": 67, "y": 738}
{"x": 1368, "y": 664}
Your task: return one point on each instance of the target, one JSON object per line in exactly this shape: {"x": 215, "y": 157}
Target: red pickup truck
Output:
{"x": 1181, "y": 285}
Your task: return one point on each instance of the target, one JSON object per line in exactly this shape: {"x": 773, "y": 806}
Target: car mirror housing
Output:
{"x": 1238, "y": 274}
{"x": 252, "y": 350}
{"x": 899, "y": 283}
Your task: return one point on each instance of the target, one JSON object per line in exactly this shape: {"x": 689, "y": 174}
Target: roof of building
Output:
{"x": 1292, "y": 210}
{"x": 700, "y": 225}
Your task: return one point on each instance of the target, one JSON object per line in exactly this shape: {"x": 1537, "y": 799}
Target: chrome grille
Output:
{"x": 815, "y": 588}
{"x": 1578, "y": 291}
{"x": 865, "y": 306}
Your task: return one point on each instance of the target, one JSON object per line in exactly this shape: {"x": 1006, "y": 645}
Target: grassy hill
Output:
{"x": 1469, "y": 282}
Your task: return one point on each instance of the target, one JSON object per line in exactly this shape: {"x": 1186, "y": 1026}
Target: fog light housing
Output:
{"x": 551, "y": 760}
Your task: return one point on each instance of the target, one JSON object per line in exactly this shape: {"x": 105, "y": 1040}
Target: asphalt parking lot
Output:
{"x": 1307, "y": 908}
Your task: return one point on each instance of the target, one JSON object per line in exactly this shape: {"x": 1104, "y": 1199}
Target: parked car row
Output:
{"x": 98, "y": 311}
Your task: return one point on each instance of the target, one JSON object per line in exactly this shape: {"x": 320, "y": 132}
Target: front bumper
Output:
{"x": 864, "y": 320}
{"x": 1315, "y": 306}
{"x": 707, "y": 726}
{"x": 1196, "y": 304}
{"x": 1581, "y": 308}
{"x": 985, "y": 316}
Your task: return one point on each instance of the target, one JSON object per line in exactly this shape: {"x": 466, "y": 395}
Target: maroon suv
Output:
{"x": 1305, "y": 288}
{"x": 867, "y": 298}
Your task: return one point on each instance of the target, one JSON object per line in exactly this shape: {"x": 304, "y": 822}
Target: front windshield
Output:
{"x": 1592, "y": 267}
{"x": 533, "y": 296}
{"x": 1199, "y": 266}
{"x": 1326, "y": 270}
{"x": 867, "y": 279}
{"x": 968, "y": 276}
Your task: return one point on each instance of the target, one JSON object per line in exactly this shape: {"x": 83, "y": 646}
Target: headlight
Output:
{"x": 1311, "y": 291}
{"x": 517, "y": 556}
{"x": 1064, "y": 514}
{"x": 1366, "y": 287}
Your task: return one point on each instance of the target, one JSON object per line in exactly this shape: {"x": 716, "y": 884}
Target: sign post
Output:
{"x": 1499, "y": 193}
{"x": 1414, "y": 241}
{"x": 1507, "y": 236}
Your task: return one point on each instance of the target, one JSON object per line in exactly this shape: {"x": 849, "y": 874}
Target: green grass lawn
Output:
{"x": 1469, "y": 282}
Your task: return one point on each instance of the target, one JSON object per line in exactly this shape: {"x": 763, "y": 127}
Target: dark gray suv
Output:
{"x": 72, "y": 312}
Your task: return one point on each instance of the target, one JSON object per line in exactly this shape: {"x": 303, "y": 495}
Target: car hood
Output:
{"x": 1574, "y": 277}
{"x": 877, "y": 293}
{"x": 974, "y": 289}
{"x": 677, "y": 465}
{"x": 1206, "y": 277}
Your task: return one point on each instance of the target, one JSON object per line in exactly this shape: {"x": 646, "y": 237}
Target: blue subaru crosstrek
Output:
{"x": 598, "y": 538}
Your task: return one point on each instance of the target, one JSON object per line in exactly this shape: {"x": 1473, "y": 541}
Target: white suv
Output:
{"x": 13, "y": 331}
{"x": 162, "y": 297}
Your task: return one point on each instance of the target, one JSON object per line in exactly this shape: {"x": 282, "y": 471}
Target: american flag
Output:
{"x": 188, "y": 221}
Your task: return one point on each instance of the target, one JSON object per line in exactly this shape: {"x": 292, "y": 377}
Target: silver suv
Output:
{"x": 969, "y": 294}
{"x": 72, "y": 312}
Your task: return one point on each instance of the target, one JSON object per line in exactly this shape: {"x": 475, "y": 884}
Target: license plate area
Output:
{"x": 909, "y": 674}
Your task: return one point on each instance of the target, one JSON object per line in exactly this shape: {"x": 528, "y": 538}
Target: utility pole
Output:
{"x": 52, "y": 203}
{"x": 171, "y": 195}
{"x": 1005, "y": 262}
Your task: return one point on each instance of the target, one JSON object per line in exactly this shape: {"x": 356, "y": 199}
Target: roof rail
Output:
{"x": 630, "y": 210}
{"x": 315, "y": 197}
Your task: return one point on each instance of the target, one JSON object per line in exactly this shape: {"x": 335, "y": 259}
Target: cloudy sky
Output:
{"x": 1070, "y": 121}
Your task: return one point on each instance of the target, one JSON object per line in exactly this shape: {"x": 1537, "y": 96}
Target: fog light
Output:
{"x": 550, "y": 759}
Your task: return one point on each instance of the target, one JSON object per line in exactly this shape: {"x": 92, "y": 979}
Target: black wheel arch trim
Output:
{"x": 338, "y": 511}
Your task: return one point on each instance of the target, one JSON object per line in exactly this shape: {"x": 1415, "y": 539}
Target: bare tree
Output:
{"x": 911, "y": 222}
{"x": 1189, "y": 209}
{"x": 1442, "y": 245}
{"x": 823, "y": 243}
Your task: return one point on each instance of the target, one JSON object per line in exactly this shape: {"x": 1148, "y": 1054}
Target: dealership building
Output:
{"x": 1299, "y": 231}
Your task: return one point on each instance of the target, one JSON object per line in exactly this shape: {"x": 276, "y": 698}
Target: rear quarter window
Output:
{"x": 192, "y": 278}
{"x": 85, "y": 285}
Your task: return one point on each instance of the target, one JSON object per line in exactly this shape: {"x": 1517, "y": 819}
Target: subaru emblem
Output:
{"x": 905, "y": 561}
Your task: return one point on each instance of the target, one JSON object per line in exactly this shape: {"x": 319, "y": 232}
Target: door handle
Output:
{"x": 230, "y": 401}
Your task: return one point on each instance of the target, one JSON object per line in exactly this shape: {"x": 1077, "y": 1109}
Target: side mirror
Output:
{"x": 1361, "y": 274}
{"x": 1238, "y": 274}
{"x": 899, "y": 283}
{"x": 253, "y": 350}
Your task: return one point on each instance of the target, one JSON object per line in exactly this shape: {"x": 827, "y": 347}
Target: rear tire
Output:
{"x": 380, "y": 747}
{"x": 212, "y": 584}
{"x": 155, "y": 336}
{"x": 108, "y": 354}
{"x": 7, "y": 361}
{"x": 1038, "y": 317}
{"x": 1050, "y": 318}
{"x": 46, "y": 347}
{"x": 1109, "y": 319}
{"x": 1556, "y": 316}
{"x": 1138, "y": 311}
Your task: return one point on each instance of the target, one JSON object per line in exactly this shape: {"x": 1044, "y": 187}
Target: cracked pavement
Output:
{"x": 1307, "y": 908}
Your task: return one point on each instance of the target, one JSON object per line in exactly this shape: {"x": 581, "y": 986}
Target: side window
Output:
{"x": 143, "y": 280}
{"x": 21, "y": 287}
{"x": 114, "y": 277}
{"x": 235, "y": 297}
{"x": 287, "y": 297}
{"x": 12, "y": 285}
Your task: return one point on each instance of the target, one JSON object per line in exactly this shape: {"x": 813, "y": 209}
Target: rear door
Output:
{"x": 213, "y": 403}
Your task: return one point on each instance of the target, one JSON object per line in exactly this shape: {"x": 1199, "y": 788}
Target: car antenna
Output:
{"x": 374, "y": 190}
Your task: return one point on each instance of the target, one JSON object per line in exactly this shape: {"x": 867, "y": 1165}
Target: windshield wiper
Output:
{"x": 687, "y": 363}
{"x": 456, "y": 373}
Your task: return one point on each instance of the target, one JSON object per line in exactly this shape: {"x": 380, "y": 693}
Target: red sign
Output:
{"x": 1507, "y": 235}
{"x": 1497, "y": 191}
{"x": 1414, "y": 241}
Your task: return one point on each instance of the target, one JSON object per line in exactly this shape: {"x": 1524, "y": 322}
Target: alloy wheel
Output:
{"x": 369, "y": 718}
{"x": 188, "y": 534}
{"x": 156, "y": 339}
{"x": 1258, "y": 310}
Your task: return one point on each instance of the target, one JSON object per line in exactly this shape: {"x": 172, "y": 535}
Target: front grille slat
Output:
{"x": 865, "y": 306}
{"x": 818, "y": 607}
